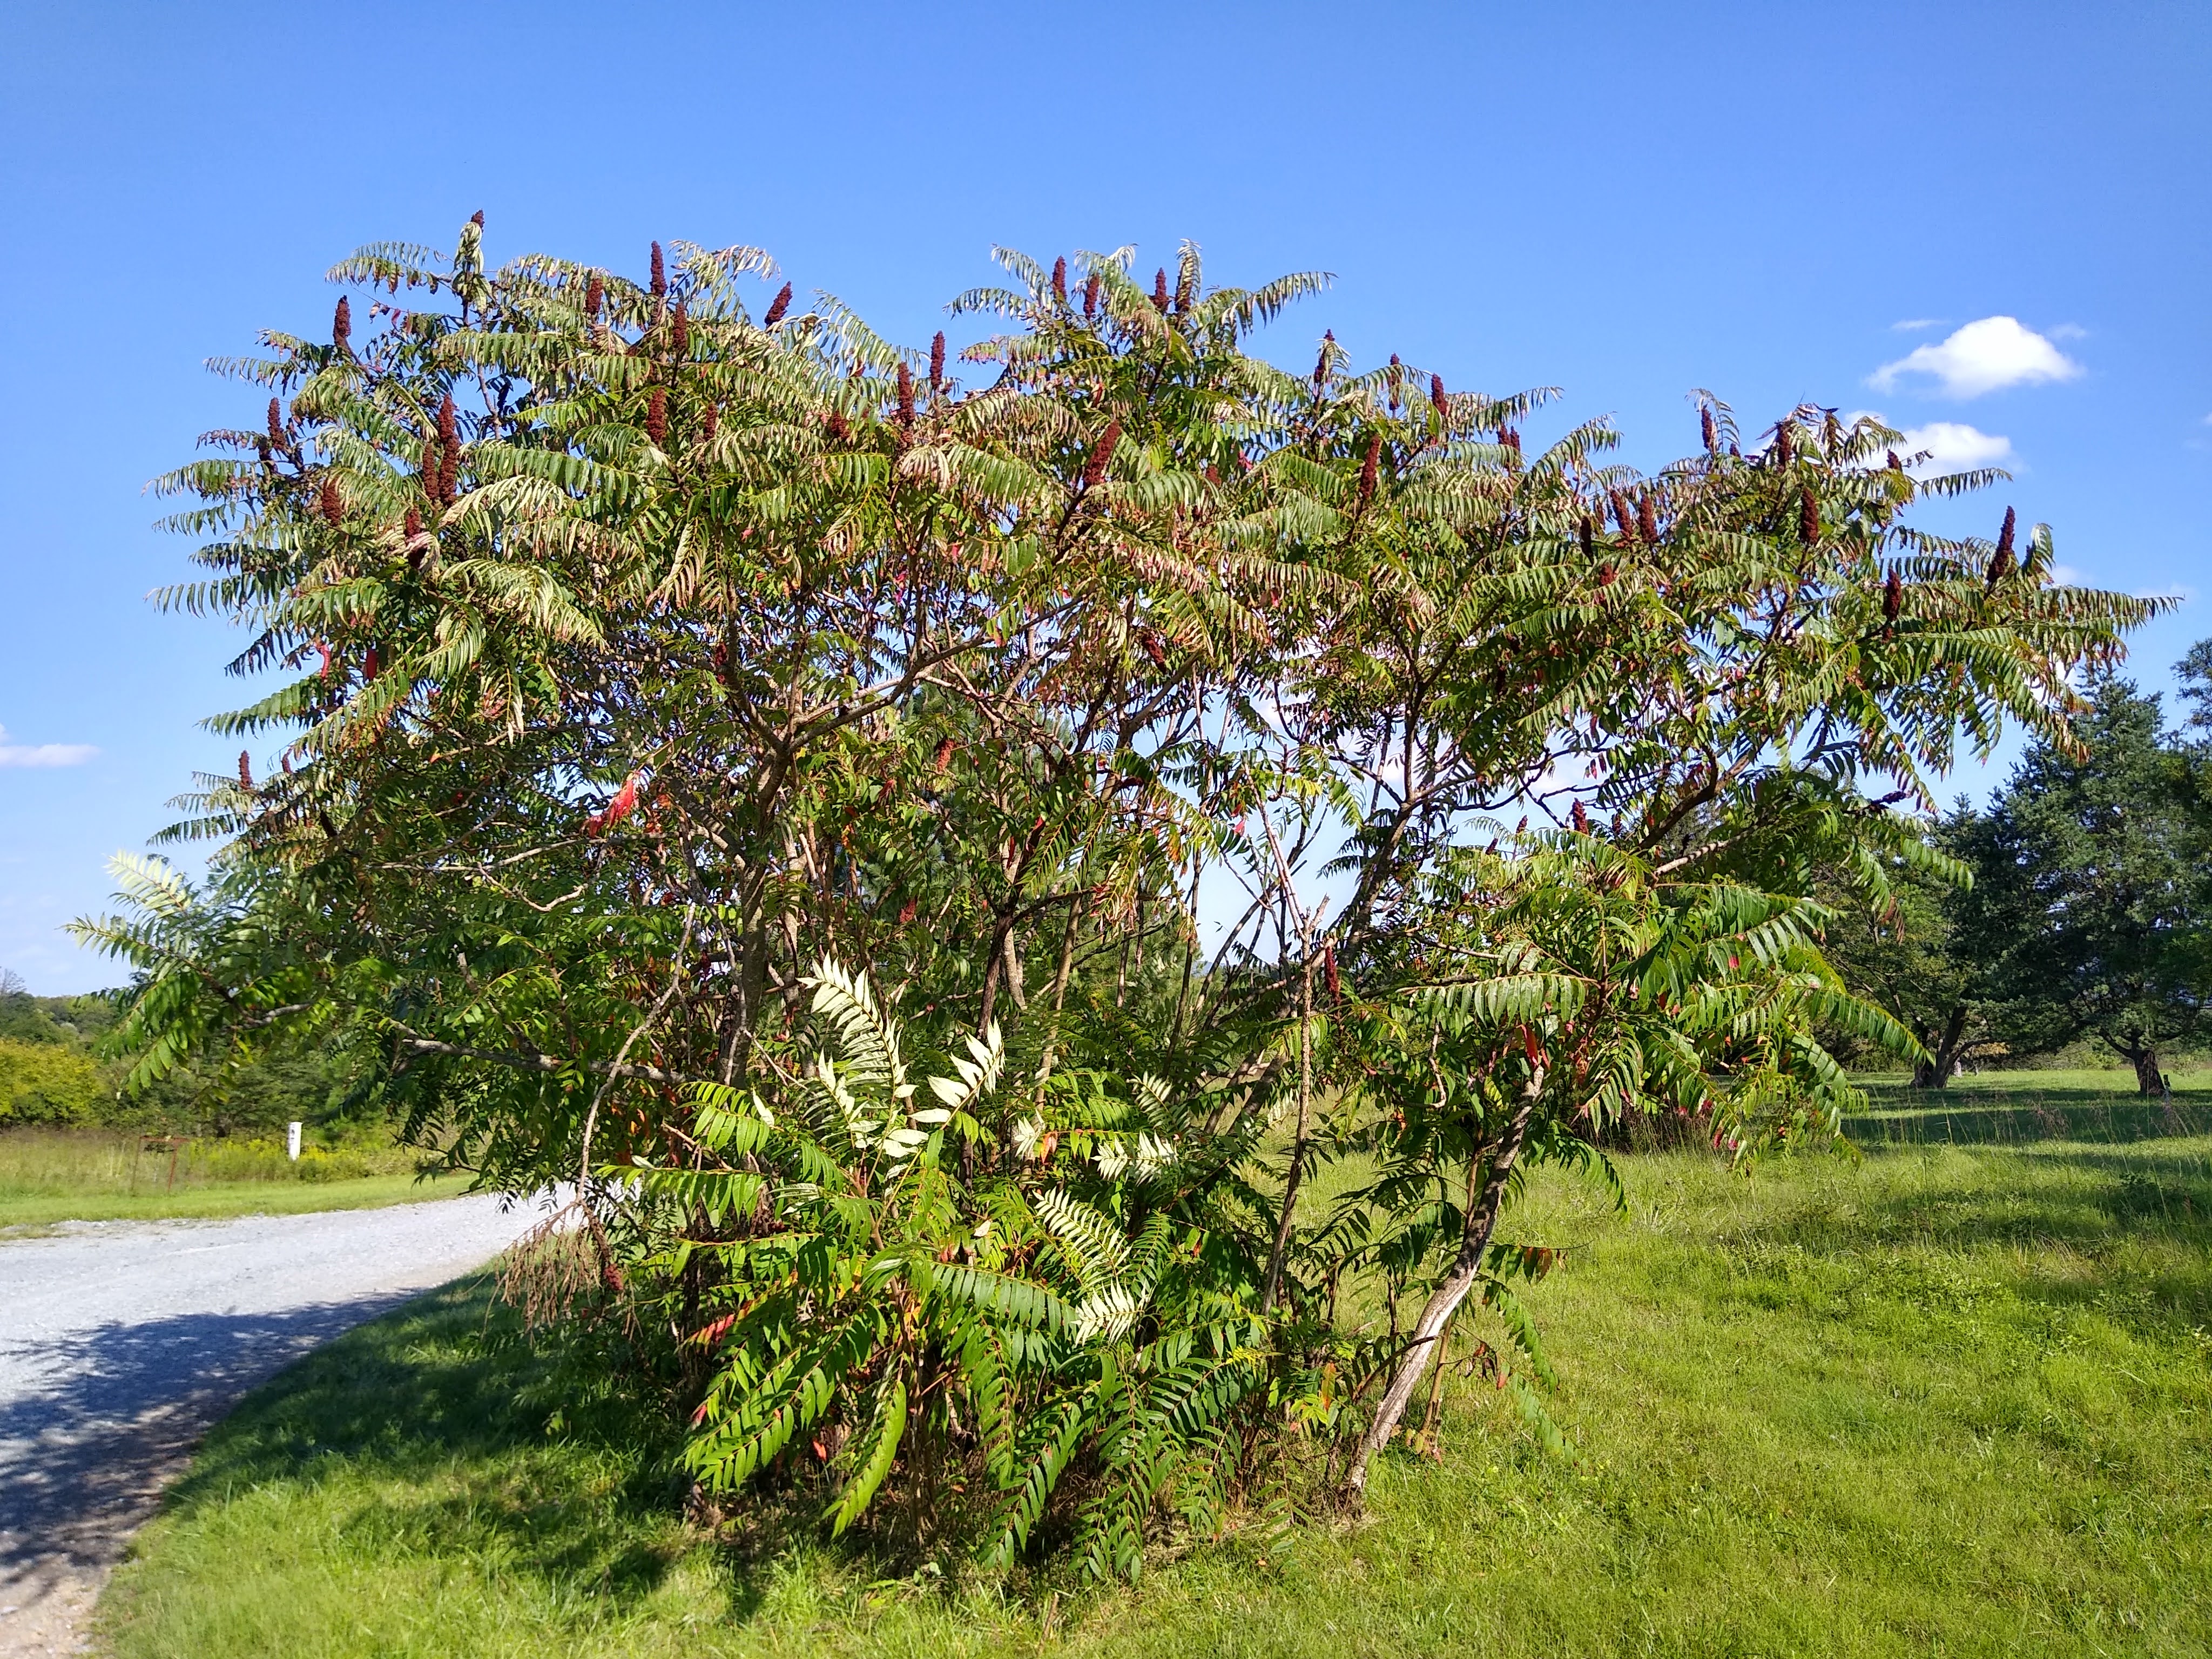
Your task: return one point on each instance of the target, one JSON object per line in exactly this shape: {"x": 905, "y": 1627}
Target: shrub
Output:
{"x": 49, "y": 1083}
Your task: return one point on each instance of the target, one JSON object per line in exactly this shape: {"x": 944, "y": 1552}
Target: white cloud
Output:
{"x": 1914, "y": 325}
{"x": 43, "y": 754}
{"x": 2069, "y": 331}
{"x": 1955, "y": 446}
{"x": 1983, "y": 356}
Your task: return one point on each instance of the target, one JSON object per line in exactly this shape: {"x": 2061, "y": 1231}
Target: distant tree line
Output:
{"x": 2076, "y": 907}
{"x": 53, "y": 1072}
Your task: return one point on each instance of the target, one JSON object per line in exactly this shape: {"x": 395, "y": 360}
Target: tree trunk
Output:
{"x": 1443, "y": 1302}
{"x": 1283, "y": 1224}
{"x": 2150, "y": 1080}
{"x": 1942, "y": 1062}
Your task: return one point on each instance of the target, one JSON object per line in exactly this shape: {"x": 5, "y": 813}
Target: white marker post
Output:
{"x": 292, "y": 1142}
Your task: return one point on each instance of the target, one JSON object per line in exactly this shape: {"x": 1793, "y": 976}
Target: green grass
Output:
{"x": 1939, "y": 1399}
{"x": 50, "y": 1175}
{"x": 2006, "y": 1107}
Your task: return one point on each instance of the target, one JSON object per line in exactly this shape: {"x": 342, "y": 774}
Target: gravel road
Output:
{"x": 120, "y": 1342}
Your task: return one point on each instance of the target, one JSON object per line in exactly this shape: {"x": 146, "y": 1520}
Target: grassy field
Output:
{"x": 49, "y": 1176}
{"x": 1952, "y": 1395}
{"x": 2007, "y": 1108}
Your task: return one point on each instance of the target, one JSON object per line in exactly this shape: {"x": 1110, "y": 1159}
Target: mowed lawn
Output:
{"x": 52, "y": 1176}
{"x": 1946, "y": 1396}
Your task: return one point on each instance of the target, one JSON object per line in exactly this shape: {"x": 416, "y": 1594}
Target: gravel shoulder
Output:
{"x": 120, "y": 1342}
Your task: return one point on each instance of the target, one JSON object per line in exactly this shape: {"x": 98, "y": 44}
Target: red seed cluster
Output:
{"x": 679, "y": 332}
{"x": 1437, "y": 397}
{"x": 1370, "y": 465}
{"x": 905, "y": 396}
{"x": 656, "y": 415}
{"x": 1059, "y": 279}
{"x": 595, "y": 296}
{"x": 333, "y": 506}
{"x": 1094, "y": 469}
{"x": 1893, "y": 597}
{"x": 1091, "y": 289}
{"x": 342, "y": 326}
{"x": 246, "y": 771}
{"x": 1707, "y": 431}
{"x": 449, "y": 451}
{"x": 1647, "y": 518}
{"x": 659, "y": 273}
{"x": 1808, "y": 517}
{"x": 1160, "y": 289}
{"x": 2001, "y": 561}
{"x": 1623, "y": 515}
{"x": 937, "y": 363}
{"x": 777, "y": 306}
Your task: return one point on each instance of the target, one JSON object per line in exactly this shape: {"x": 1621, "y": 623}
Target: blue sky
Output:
{"x": 1624, "y": 200}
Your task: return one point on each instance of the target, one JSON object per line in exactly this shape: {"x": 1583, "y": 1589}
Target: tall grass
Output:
{"x": 49, "y": 1175}
{"x": 1937, "y": 1398}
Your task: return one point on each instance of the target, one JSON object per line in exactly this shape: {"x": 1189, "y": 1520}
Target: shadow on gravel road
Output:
{"x": 83, "y": 1454}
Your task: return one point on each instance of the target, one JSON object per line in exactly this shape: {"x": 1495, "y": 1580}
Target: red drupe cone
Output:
{"x": 1094, "y": 469}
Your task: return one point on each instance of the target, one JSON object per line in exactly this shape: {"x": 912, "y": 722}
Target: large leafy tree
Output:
{"x": 1909, "y": 958}
{"x": 2092, "y": 900}
{"x": 690, "y": 708}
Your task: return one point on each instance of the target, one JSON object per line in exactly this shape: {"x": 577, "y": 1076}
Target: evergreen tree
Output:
{"x": 2093, "y": 889}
